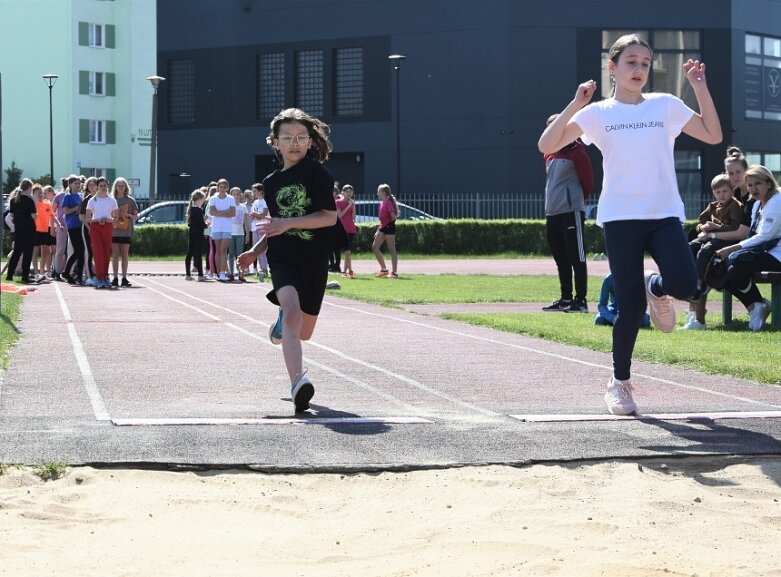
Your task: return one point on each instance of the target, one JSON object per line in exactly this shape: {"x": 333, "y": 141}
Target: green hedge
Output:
{"x": 462, "y": 236}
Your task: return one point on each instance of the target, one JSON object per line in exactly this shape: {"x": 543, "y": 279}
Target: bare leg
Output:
{"x": 115, "y": 249}
{"x": 391, "y": 242}
{"x": 296, "y": 326}
{"x": 125, "y": 252}
{"x": 379, "y": 238}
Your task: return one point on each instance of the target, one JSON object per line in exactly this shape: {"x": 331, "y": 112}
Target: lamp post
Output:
{"x": 155, "y": 80}
{"x": 50, "y": 79}
{"x": 397, "y": 59}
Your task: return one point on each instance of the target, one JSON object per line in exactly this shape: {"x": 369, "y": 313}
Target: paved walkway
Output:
{"x": 171, "y": 371}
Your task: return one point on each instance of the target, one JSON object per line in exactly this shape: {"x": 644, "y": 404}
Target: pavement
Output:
{"x": 177, "y": 373}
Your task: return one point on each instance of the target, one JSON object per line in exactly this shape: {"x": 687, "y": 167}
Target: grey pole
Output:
{"x": 155, "y": 80}
{"x": 397, "y": 59}
{"x": 50, "y": 79}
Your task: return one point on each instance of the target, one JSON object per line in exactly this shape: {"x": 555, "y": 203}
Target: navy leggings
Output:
{"x": 627, "y": 241}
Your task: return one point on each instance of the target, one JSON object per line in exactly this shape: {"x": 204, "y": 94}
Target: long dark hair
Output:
{"x": 317, "y": 129}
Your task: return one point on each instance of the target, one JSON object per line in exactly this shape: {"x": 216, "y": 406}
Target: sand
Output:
{"x": 694, "y": 516}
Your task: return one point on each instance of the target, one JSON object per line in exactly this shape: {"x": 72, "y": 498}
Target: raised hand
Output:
{"x": 695, "y": 72}
{"x": 585, "y": 92}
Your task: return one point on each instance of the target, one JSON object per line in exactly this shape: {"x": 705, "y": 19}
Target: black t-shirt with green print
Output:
{"x": 302, "y": 189}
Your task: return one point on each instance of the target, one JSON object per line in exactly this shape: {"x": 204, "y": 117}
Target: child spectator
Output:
{"x": 608, "y": 307}
{"x": 569, "y": 182}
{"x": 725, "y": 211}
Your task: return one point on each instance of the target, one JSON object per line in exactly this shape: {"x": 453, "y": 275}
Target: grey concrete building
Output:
{"x": 478, "y": 81}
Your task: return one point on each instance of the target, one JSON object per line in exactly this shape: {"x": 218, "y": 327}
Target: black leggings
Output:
{"x": 627, "y": 242}
{"x": 739, "y": 281}
{"x": 77, "y": 258}
{"x": 194, "y": 252}
{"x": 24, "y": 242}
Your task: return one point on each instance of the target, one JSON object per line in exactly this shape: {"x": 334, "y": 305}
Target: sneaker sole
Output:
{"x": 275, "y": 340}
{"x": 303, "y": 396}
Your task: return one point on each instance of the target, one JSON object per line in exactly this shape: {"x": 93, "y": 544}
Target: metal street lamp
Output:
{"x": 155, "y": 80}
{"x": 397, "y": 59}
{"x": 50, "y": 79}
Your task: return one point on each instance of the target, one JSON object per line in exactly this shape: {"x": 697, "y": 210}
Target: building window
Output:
{"x": 97, "y": 84}
{"x": 97, "y": 132}
{"x": 270, "y": 78}
{"x": 770, "y": 160}
{"x": 348, "y": 81}
{"x": 671, "y": 49}
{"x": 688, "y": 172}
{"x": 309, "y": 81}
{"x": 763, "y": 77}
{"x": 181, "y": 91}
{"x": 96, "y": 35}
{"x": 98, "y": 172}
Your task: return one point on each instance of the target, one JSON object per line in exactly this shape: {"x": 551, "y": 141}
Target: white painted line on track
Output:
{"x": 650, "y": 416}
{"x": 153, "y": 422}
{"x": 98, "y": 406}
{"x": 382, "y": 370}
{"x": 556, "y": 356}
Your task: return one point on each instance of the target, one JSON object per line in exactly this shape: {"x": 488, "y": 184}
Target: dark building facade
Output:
{"x": 477, "y": 83}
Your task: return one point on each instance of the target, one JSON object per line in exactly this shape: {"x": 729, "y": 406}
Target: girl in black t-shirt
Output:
{"x": 297, "y": 233}
{"x": 23, "y": 212}
{"x": 196, "y": 224}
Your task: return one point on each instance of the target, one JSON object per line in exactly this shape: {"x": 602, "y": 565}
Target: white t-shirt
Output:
{"x": 637, "y": 142}
{"x": 238, "y": 220}
{"x": 259, "y": 205}
{"x": 101, "y": 208}
{"x": 221, "y": 223}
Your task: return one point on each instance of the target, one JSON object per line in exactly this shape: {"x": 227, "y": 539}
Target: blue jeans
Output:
{"x": 235, "y": 248}
{"x": 627, "y": 241}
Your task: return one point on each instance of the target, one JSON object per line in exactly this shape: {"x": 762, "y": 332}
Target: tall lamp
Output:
{"x": 50, "y": 79}
{"x": 397, "y": 59}
{"x": 155, "y": 80}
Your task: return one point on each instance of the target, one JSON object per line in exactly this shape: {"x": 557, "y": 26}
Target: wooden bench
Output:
{"x": 771, "y": 278}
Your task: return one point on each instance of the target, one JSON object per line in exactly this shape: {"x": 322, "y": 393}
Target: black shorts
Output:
{"x": 349, "y": 245}
{"x": 389, "y": 229}
{"x": 120, "y": 239}
{"x": 44, "y": 239}
{"x": 307, "y": 277}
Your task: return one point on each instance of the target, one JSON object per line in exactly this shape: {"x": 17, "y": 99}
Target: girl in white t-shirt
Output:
{"x": 222, "y": 209}
{"x": 640, "y": 208}
{"x": 257, "y": 214}
{"x": 238, "y": 235}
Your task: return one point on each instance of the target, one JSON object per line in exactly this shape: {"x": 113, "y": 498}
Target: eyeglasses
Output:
{"x": 297, "y": 139}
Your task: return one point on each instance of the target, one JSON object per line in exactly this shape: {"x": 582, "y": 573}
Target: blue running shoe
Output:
{"x": 275, "y": 330}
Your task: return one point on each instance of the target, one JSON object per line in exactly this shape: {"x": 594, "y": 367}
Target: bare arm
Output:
{"x": 704, "y": 126}
{"x": 320, "y": 219}
{"x": 563, "y": 131}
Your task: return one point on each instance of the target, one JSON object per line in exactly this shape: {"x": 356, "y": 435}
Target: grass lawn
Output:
{"x": 731, "y": 350}
{"x": 10, "y": 306}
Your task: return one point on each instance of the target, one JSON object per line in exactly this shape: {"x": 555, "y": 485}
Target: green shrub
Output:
{"x": 458, "y": 236}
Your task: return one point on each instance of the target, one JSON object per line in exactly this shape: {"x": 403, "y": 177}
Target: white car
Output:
{"x": 166, "y": 212}
{"x": 368, "y": 211}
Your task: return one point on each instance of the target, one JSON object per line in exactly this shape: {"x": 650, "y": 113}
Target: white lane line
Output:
{"x": 650, "y": 416}
{"x": 98, "y": 406}
{"x": 154, "y": 422}
{"x": 373, "y": 367}
{"x": 557, "y": 356}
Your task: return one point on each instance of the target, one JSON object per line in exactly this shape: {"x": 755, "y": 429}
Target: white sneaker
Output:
{"x": 660, "y": 308}
{"x": 692, "y": 324}
{"x": 758, "y": 315}
{"x": 222, "y": 277}
{"x": 301, "y": 391}
{"x": 619, "y": 397}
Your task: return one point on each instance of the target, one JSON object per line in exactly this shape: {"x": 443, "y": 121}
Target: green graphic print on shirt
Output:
{"x": 292, "y": 201}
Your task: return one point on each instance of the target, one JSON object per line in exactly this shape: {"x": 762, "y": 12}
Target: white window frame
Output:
{"x": 98, "y": 172}
{"x": 97, "y": 132}
{"x": 97, "y": 35}
{"x": 97, "y": 88}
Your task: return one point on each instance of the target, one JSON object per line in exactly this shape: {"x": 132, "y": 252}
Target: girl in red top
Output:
{"x": 345, "y": 210}
{"x": 386, "y": 232}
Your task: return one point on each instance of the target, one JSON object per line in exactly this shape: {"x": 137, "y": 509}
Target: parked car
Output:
{"x": 166, "y": 212}
{"x": 368, "y": 211}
